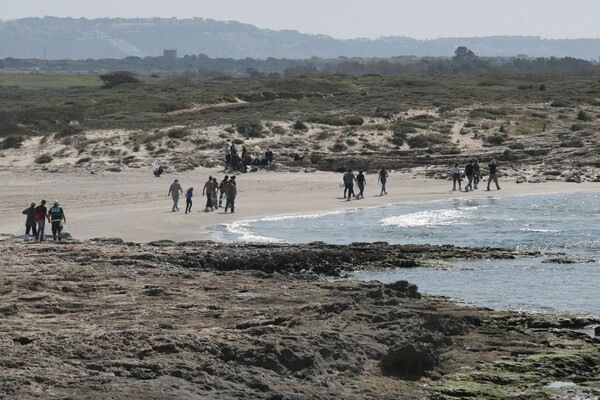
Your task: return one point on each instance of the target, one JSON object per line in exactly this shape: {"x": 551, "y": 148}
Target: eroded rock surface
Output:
{"x": 106, "y": 319}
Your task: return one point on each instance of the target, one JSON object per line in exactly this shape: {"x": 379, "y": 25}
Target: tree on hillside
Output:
{"x": 462, "y": 54}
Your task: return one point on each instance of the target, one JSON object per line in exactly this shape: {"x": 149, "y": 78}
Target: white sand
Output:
{"x": 134, "y": 206}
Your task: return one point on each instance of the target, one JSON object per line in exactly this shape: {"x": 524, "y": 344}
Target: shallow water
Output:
{"x": 566, "y": 223}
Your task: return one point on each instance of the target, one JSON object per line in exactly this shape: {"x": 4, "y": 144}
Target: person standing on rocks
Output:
{"x": 456, "y": 177}
{"x": 174, "y": 191}
{"x": 230, "y": 192}
{"x": 40, "y": 216}
{"x": 469, "y": 173}
{"x": 30, "y": 224}
{"x": 56, "y": 216}
{"x": 207, "y": 190}
{"x": 493, "y": 175}
{"x": 188, "y": 200}
{"x": 361, "y": 181}
{"x": 383, "y": 175}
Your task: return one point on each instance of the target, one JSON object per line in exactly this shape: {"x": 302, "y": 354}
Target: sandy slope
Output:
{"x": 133, "y": 205}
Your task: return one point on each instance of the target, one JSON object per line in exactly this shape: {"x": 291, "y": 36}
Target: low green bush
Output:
{"x": 422, "y": 141}
{"x": 12, "y": 142}
{"x": 43, "y": 159}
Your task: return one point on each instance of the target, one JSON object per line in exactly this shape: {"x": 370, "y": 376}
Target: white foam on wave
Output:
{"x": 426, "y": 218}
{"x": 539, "y": 230}
{"x": 301, "y": 216}
{"x": 241, "y": 229}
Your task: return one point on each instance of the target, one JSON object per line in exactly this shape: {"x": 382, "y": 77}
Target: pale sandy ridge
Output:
{"x": 133, "y": 205}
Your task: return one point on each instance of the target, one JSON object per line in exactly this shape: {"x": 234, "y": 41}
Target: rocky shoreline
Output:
{"x": 107, "y": 319}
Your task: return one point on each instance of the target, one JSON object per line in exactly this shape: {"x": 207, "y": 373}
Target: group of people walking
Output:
{"x": 213, "y": 190}
{"x": 35, "y": 223}
{"x": 473, "y": 175}
{"x": 349, "y": 179}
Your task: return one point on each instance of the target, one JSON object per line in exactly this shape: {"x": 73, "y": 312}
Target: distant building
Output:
{"x": 171, "y": 54}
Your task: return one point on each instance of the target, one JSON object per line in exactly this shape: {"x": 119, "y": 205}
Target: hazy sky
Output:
{"x": 421, "y": 19}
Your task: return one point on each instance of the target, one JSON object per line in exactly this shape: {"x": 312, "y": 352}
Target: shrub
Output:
{"x": 43, "y": 159}
{"x": 398, "y": 138}
{"x": 425, "y": 140}
{"x": 278, "y": 130}
{"x": 83, "y": 160}
{"x": 573, "y": 143}
{"x": 516, "y": 146}
{"x": 404, "y": 128}
{"x": 495, "y": 139}
{"x": 577, "y": 127}
{"x": 337, "y": 147}
{"x": 559, "y": 103}
{"x": 68, "y": 130}
{"x": 327, "y": 120}
{"x": 583, "y": 116}
{"x": 354, "y": 121}
{"x": 252, "y": 129}
{"x": 177, "y": 133}
{"x": 12, "y": 142}
{"x": 113, "y": 79}
{"x": 300, "y": 126}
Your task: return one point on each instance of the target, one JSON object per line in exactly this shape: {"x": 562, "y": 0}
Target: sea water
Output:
{"x": 552, "y": 223}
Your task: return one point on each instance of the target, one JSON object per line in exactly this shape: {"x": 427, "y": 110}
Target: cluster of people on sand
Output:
{"x": 213, "y": 190}
{"x": 35, "y": 223}
{"x": 349, "y": 179}
{"x": 473, "y": 175}
{"x": 235, "y": 161}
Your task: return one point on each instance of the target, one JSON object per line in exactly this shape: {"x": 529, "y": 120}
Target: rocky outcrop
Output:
{"x": 107, "y": 319}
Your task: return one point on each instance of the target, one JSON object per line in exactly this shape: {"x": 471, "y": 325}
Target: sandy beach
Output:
{"x": 133, "y": 205}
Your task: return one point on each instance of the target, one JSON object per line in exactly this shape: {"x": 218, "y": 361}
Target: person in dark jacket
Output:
{"x": 230, "y": 192}
{"x": 40, "y": 219}
{"x": 493, "y": 177}
{"x": 30, "y": 221}
{"x": 469, "y": 173}
{"x": 56, "y": 216}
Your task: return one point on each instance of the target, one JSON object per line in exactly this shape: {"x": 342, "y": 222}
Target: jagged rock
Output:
{"x": 408, "y": 360}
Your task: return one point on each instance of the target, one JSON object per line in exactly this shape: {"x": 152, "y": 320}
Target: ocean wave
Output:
{"x": 241, "y": 230}
{"x": 539, "y": 230}
{"x": 427, "y": 218}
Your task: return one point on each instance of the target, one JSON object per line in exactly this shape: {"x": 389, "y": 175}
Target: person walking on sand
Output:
{"x": 476, "y": 175}
{"x": 383, "y": 175}
{"x": 207, "y": 191}
{"x": 230, "y": 192}
{"x": 349, "y": 180}
{"x": 213, "y": 192}
{"x": 456, "y": 177}
{"x": 269, "y": 157}
{"x": 30, "y": 224}
{"x": 222, "y": 189}
{"x": 174, "y": 191}
{"x": 469, "y": 173}
{"x": 361, "y": 181}
{"x": 188, "y": 200}
{"x": 56, "y": 216}
{"x": 493, "y": 175}
{"x": 40, "y": 218}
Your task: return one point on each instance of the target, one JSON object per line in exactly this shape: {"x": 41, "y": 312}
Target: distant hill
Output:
{"x": 69, "y": 38}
